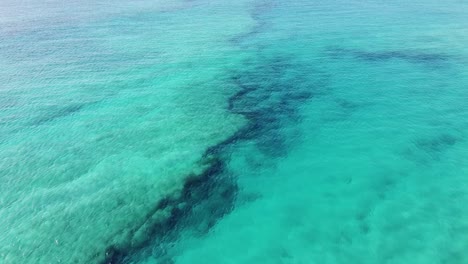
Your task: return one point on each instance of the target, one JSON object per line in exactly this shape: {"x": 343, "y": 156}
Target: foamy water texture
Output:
{"x": 253, "y": 131}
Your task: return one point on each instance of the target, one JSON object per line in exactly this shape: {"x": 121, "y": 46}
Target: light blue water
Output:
{"x": 247, "y": 132}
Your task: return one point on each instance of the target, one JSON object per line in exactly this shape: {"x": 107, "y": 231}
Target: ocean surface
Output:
{"x": 248, "y": 131}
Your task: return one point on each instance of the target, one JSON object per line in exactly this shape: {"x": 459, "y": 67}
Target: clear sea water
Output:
{"x": 250, "y": 131}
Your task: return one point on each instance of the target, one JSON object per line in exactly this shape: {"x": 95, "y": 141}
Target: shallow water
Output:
{"x": 247, "y": 132}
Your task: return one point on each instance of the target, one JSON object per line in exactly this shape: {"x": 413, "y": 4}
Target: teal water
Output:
{"x": 255, "y": 131}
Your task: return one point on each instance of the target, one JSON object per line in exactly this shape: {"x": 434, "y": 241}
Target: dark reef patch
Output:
{"x": 416, "y": 57}
{"x": 271, "y": 87}
{"x": 438, "y": 143}
{"x": 347, "y": 105}
{"x": 213, "y": 190}
{"x": 269, "y": 96}
{"x": 270, "y": 93}
{"x": 59, "y": 112}
{"x": 426, "y": 150}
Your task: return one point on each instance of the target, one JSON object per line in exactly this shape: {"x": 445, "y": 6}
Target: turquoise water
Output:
{"x": 254, "y": 131}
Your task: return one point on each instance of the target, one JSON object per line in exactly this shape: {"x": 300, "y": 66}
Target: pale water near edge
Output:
{"x": 247, "y": 132}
